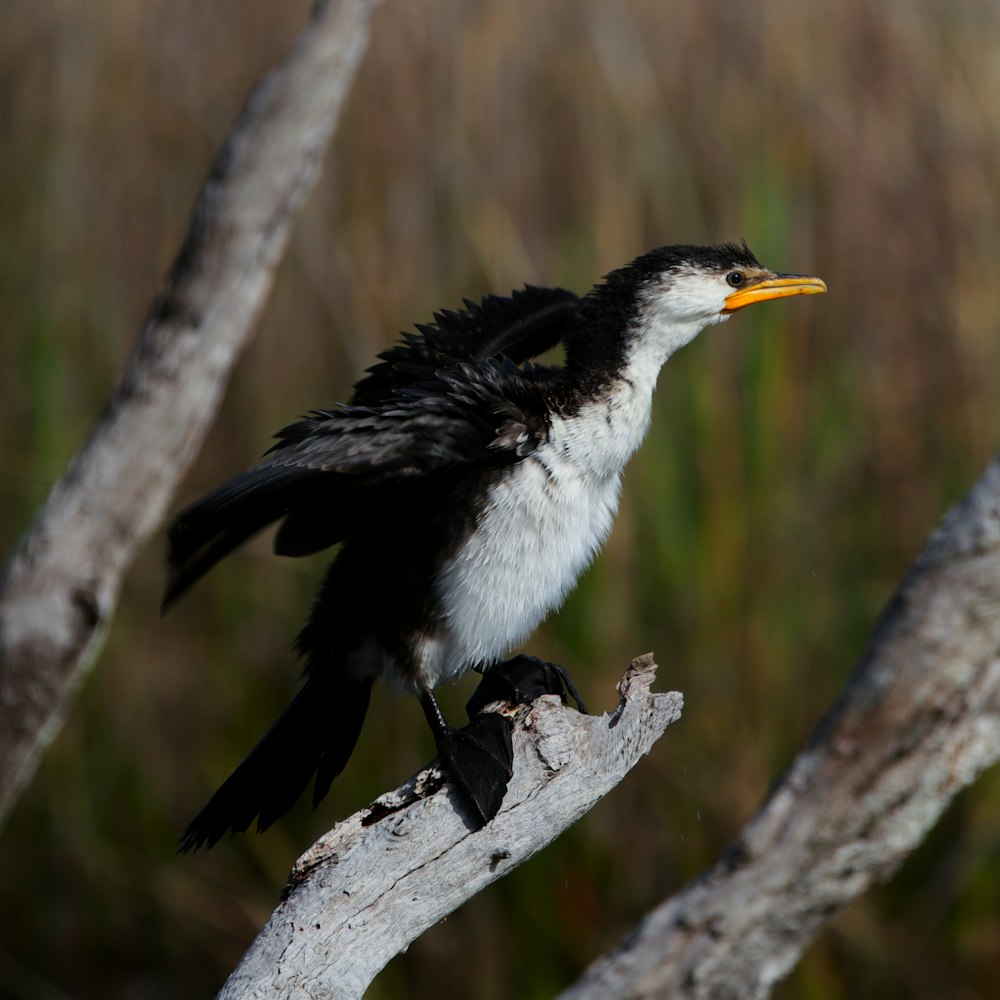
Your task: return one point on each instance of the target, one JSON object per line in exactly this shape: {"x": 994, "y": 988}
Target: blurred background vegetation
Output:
{"x": 799, "y": 455}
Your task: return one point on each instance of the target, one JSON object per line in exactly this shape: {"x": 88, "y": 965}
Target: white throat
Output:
{"x": 673, "y": 315}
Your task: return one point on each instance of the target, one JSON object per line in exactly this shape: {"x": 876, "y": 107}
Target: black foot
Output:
{"x": 520, "y": 681}
{"x": 478, "y": 757}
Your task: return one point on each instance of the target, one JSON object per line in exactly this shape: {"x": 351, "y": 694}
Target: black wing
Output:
{"x": 520, "y": 326}
{"x": 321, "y": 469}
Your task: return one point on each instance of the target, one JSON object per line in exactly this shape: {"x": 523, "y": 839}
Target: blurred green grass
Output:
{"x": 799, "y": 455}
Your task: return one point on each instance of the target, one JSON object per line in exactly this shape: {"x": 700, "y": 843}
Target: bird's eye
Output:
{"x": 735, "y": 278}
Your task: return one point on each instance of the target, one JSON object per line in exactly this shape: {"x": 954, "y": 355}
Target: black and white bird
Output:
{"x": 467, "y": 489}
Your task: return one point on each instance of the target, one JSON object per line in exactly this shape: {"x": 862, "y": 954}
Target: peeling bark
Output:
{"x": 378, "y": 880}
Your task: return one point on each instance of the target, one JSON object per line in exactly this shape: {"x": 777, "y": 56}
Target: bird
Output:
{"x": 467, "y": 486}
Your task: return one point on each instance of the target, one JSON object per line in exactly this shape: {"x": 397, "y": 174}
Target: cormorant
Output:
{"x": 467, "y": 489}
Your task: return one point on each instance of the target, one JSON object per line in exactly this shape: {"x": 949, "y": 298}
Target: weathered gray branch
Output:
{"x": 919, "y": 720}
{"x": 60, "y": 587}
{"x": 378, "y": 880}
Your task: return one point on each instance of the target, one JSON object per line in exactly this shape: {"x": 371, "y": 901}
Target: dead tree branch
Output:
{"x": 59, "y": 589}
{"x": 378, "y": 880}
{"x": 919, "y": 720}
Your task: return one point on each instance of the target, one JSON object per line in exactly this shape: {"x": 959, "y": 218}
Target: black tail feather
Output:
{"x": 315, "y": 735}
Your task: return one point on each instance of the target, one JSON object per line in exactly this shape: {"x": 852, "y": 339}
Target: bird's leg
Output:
{"x": 479, "y": 757}
{"x": 520, "y": 681}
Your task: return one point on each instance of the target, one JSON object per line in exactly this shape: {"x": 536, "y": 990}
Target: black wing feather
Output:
{"x": 210, "y": 529}
{"x": 521, "y": 326}
{"x": 474, "y": 414}
{"x": 440, "y": 398}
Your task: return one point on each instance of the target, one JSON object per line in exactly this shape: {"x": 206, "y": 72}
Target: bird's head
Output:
{"x": 640, "y": 314}
{"x": 682, "y": 289}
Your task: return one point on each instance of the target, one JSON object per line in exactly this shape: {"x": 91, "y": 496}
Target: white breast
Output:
{"x": 541, "y": 526}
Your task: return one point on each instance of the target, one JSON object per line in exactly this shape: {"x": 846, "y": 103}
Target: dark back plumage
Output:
{"x": 442, "y": 395}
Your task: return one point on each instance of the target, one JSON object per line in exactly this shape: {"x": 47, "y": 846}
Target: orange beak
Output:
{"x": 781, "y": 286}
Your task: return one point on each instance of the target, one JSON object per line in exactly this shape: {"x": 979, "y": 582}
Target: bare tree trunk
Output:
{"x": 919, "y": 720}
{"x": 379, "y": 879}
{"x": 59, "y": 589}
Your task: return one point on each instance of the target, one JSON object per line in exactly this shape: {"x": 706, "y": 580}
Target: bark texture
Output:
{"x": 60, "y": 587}
{"x": 378, "y": 880}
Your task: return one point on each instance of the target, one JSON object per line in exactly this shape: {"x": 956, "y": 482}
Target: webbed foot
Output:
{"x": 479, "y": 757}
{"x": 520, "y": 681}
